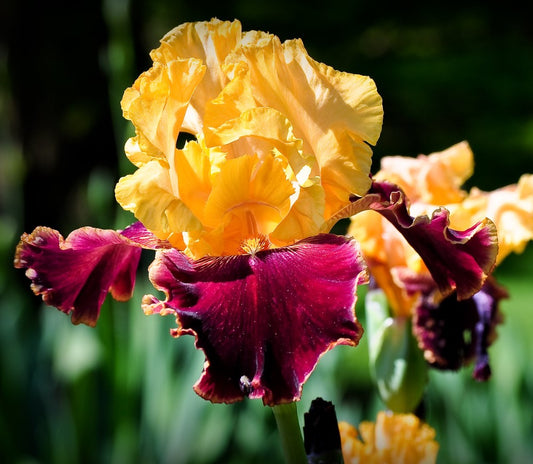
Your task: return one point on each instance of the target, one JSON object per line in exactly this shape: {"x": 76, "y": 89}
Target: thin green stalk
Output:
{"x": 291, "y": 436}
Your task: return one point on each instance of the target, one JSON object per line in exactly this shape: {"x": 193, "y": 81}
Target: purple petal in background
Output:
{"x": 457, "y": 260}
{"x": 454, "y": 333}
{"x": 263, "y": 320}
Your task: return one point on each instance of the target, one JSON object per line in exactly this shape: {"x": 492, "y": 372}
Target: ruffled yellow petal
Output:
{"x": 158, "y": 100}
{"x": 140, "y": 151}
{"x": 393, "y": 439}
{"x": 262, "y": 131}
{"x": 334, "y": 113}
{"x": 235, "y": 98}
{"x": 434, "y": 179}
{"x": 209, "y": 42}
{"x": 510, "y": 208}
{"x": 250, "y": 197}
{"x": 148, "y": 195}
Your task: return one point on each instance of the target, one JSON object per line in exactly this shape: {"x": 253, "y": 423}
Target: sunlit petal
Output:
{"x": 260, "y": 131}
{"x": 235, "y": 98}
{"x": 511, "y": 209}
{"x": 305, "y": 218}
{"x": 210, "y": 42}
{"x": 190, "y": 177}
{"x": 249, "y": 197}
{"x": 335, "y": 114}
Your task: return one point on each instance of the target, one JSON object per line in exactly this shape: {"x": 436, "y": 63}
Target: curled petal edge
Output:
{"x": 457, "y": 260}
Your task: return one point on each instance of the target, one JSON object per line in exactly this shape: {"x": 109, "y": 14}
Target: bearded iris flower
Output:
{"x": 452, "y": 329}
{"x": 240, "y": 214}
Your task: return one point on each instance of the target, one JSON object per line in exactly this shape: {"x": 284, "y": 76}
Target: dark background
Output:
{"x": 447, "y": 72}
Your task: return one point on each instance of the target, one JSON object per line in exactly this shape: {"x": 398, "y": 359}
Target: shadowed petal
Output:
{"x": 75, "y": 274}
{"x": 454, "y": 333}
{"x": 263, "y": 320}
{"x": 457, "y": 260}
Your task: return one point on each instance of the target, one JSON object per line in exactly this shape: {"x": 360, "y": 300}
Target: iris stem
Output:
{"x": 291, "y": 436}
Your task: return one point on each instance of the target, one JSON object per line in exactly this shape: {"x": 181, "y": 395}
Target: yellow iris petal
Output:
{"x": 334, "y": 113}
{"x": 435, "y": 179}
{"x": 345, "y": 168}
{"x": 209, "y": 42}
{"x": 190, "y": 176}
{"x": 157, "y": 102}
{"x": 148, "y": 195}
{"x": 392, "y": 439}
{"x": 386, "y": 253}
{"x": 140, "y": 151}
{"x": 305, "y": 217}
{"x": 235, "y": 98}
{"x": 510, "y": 208}
{"x": 250, "y": 197}
{"x": 261, "y": 131}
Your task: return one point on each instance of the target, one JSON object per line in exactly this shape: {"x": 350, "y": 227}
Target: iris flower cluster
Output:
{"x": 452, "y": 331}
{"x": 277, "y": 151}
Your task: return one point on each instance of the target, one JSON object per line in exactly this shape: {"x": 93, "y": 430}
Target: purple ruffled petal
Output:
{"x": 454, "y": 333}
{"x": 75, "y": 274}
{"x": 263, "y": 320}
{"x": 457, "y": 260}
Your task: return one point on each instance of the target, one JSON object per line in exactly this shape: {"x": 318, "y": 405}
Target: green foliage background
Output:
{"x": 121, "y": 393}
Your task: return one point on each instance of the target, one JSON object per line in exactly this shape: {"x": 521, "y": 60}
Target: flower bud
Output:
{"x": 396, "y": 362}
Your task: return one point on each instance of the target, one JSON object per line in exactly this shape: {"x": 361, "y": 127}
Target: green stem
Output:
{"x": 290, "y": 433}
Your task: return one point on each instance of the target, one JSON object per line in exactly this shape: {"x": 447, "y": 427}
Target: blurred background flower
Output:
{"x": 121, "y": 392}
{"x": 392, "y": 439}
